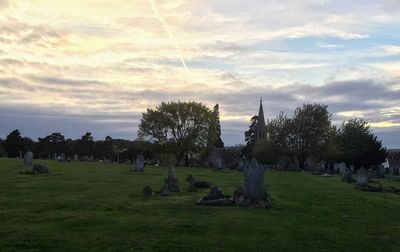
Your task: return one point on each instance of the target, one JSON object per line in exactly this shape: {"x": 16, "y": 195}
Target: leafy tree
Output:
{"x": 53, "y": 143}
{"x": 180, "y": 127}
{"x": 104, "y": 149}
{"x": 303, "y": 135}
{"x": 14, "y": 144}
{"x": 85, "y": 145}
{"x": 358, "y": 145}
{"x": 2, "y": 151}
{"x": 250, "y": 136}
{"x": 279, "y": 131}
{"x": 265, "y": 152}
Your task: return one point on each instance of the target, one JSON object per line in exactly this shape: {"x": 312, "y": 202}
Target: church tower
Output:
{"x": 261, "y": 128}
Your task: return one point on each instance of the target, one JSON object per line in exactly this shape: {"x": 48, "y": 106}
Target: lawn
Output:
{"x": 100, "y": 207}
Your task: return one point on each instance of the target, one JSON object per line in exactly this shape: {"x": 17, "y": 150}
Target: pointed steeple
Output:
{"x": 261, "y": 119}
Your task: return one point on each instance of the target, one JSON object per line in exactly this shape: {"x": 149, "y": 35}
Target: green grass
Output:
{"x": 100, "y": 207}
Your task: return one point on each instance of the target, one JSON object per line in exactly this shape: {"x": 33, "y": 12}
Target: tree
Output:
{"x": 14, "y": 144}
{"x": 180, "y": 127}
{"x": 358, "y": 145}
{"x": 250, "y": 136}
{"x": 265, "y": 152}
{"x": 53, "y": 143}
{"x": 303, "y": 135}
{"x": 86, "y": 144}
{"x": 2, "y": 151}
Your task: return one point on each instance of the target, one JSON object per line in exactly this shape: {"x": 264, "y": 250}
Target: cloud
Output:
{"x": 78, "y": 65}
{"x": 391, "y": 49}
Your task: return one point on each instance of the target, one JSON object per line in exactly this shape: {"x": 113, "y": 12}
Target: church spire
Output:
{"x": 261, "y": 119}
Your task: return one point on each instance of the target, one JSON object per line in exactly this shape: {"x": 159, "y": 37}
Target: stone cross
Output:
{"x": 362, "y": 177}
{"x": 172, "y": 181}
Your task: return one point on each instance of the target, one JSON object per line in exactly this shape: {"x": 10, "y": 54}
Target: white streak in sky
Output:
{"x": 166, "y": 28}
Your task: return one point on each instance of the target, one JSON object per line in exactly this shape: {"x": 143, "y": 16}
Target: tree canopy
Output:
{"x": 304, "y": 134}
{"x": 358, "y": 145}
{"x": 180, "y": 127}
{"x": 14, "y": 144}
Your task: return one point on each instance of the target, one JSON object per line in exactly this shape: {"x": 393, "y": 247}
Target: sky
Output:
{"x": 73, "y": 66}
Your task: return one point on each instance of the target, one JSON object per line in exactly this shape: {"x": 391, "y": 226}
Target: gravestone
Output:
{"x": 165, "y": 191}
{"x": 218, "y": 163}
{"x": 328, "y": 168}
{"x": 381, "y": 171}
{"x": 347, "y": 177}
{"x": 147, "y": 191}
{"x": 362, "y": 177}
{"x": 215, "y": 198}
{"x": 336, "y": 167}
{"x": 62, "y": 157}
{"x": 396, "y": 170}
{"x": 20, "y": 155}
{"x": 39, "y": 169}
{"x": 214, "y": 193}
{"x": 190, "y": 179}
{"x": 28, "y": 158}
{"x": 76, "y": 157}
{"x": 254, "y": 190}
{"x": 240, "y": 165}
{"x": 322, "y": 165}
{"x": 342, "y": 168}
{"x": 54, "y": 156}
{"x": 172, "y": 182}
{"x": 352, "y": 168}
{"x": 139, "y": 167}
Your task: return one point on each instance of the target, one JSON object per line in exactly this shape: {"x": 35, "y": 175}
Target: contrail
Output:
{"x": 155, "y": 10}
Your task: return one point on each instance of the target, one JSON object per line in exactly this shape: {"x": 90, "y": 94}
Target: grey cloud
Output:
{"x": 102, "y": 104}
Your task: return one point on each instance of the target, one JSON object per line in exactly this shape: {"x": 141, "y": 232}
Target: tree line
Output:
{"x": 177, "y": 130}
{"x": 189, "y": 130}
{"x": 309, "y": 133}
{"x": 45, "y": 147}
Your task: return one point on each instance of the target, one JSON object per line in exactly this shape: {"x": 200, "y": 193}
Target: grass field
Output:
{"x": 100, "y": 207}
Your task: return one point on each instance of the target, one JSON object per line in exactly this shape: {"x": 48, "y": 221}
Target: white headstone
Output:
{"x": 362, "y": 177}
{"x": 342, "y": 168}
{"x": 218, "y": 163}
{"x": 139, "y": 164}
{"x": 28, "y": 158}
